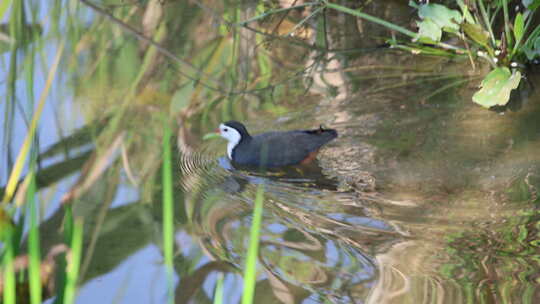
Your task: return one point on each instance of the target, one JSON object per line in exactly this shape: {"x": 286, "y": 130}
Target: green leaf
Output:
{"x": 519, "y": 26}
{"x": 534, "y": 5}
{"x": 444, "y": 17}
{"x": 466, "y": 13}
{"x": 532, "y": 50}
{"x": 536, "y": 45}
{"x": 428, "y": 31}
{"x": 476, "y": 33}
{"x": 496, "y": 87}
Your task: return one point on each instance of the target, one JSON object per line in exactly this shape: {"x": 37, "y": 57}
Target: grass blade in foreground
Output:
{"x": 19, "y": 163}
{"x": 74, "y": 262}
{"x": 8, "y": 267}
{"x": 218, "y": 291}
{"x": 34, "y": 269}
{"x": 168, "y": 211}
{"x": 250, "y": 273}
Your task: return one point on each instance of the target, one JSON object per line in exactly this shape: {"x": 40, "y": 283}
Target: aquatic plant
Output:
{"x": 475, "y": 25}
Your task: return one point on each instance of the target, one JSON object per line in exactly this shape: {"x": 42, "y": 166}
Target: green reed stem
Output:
{"x": 218, "y": 291}
{"x": 509, "y": 39}
{"x": 250, "y": 273}
{"x": 74, "y": 262}
{"x": 8, "y": 267}
{"x": 359, "y": 14}
{"x": 68, "y": 226}
{"x": 63, "y": 264}
{"x": 487, "y": 23}
{"x": 168, "y": 211}
{"x": 34, "y": 272}
{"x": 446, "y": 87}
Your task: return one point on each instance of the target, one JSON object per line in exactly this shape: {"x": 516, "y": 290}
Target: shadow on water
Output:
{"x": 423, "y": 197}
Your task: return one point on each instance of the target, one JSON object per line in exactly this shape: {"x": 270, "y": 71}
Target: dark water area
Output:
{"x": 424, "y": 197}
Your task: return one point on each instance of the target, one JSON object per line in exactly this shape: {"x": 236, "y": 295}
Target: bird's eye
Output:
{"x": 225, "y": 130}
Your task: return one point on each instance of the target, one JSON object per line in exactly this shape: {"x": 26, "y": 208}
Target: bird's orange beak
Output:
{"x": 217, "y": 130}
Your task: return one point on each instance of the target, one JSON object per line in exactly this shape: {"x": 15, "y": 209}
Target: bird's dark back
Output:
{"x": 282, "y": 148}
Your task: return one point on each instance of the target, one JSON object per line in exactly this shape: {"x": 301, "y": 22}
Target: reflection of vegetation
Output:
{"x": 488, "y": 261}
{"x": 28, "y": 31}
{"x": 153, "y": 61}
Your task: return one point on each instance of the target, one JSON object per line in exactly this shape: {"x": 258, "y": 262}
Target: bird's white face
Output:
{"x": 232, "y": 136}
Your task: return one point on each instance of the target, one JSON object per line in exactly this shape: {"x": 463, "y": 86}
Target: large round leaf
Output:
{"x": 496, "y": 87}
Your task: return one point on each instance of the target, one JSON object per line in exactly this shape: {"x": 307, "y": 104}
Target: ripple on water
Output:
{"x": 401, "y": 206}
{"x": 313, "y": 236}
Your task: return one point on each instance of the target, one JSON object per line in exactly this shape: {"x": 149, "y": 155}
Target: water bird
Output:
{"x": 273, "y": 149}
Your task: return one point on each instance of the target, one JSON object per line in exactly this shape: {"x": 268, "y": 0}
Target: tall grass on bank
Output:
{"x": 168, "y": 211}
{"x": 10, "y": 234}
{"x": 250, "y": 272}
{"x": 22, "y": 282}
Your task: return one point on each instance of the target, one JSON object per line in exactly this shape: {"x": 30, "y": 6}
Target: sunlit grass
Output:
{"x": 250, "y": 272}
